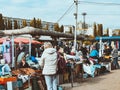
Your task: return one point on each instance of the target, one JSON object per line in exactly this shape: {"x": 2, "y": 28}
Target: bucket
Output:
{"x": 60, "y": 88}
{"x": 85, "y": 75}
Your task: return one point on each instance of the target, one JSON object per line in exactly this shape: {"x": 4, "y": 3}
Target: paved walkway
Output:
{"x": 107, "y": 81}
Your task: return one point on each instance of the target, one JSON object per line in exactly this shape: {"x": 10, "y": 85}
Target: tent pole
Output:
{"x": 13, "y": 61}
{"x": 30, "y": 41}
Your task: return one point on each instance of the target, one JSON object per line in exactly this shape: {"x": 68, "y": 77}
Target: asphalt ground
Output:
{"x": 105, "y": 81}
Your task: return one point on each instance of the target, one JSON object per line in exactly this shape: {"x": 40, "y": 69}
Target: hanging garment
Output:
{"x": 7, "y": 51}
{"x": 7, "y": 58}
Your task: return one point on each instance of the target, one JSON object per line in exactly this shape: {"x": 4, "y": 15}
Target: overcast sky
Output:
{"x": 53, "y": 10}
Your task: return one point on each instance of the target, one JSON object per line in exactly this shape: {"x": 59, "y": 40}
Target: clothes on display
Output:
{"x": 7, "y": 51}
{"x": 4, "y": 68}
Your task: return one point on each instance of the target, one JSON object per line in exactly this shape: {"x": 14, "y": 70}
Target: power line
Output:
{"x": 88, "y": 2}
{"x": 100, "y": 3}
{"x": 104, "y": 14}
{"x": 65, "y": 12}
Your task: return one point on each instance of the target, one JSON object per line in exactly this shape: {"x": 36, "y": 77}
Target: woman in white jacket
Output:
{"x": 49, "y": 63}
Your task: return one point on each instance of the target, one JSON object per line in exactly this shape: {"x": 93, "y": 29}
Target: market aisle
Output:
{"x": 108, "y": 81}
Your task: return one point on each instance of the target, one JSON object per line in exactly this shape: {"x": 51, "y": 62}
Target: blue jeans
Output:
{"x": 115, "y": 62}
{"x": 51, "y": 82}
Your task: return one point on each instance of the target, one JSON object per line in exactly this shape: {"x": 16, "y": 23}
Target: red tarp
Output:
{"x": 21, "y": 39}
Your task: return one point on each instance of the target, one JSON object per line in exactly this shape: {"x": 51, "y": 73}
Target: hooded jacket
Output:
{"x": 49, "y": 61}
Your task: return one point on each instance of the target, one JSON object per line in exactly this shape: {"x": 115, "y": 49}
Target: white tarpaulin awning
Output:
{"x": 45, "y": 38}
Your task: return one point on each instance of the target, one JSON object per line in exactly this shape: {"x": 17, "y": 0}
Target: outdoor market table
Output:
{"x": 4, "y": 80}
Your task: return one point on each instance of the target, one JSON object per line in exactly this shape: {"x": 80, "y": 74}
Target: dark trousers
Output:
{"x": 115, "y": 62}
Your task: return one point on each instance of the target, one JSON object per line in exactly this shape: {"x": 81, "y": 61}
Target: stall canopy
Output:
{"x": 45, "y": 38}
{"x": 21, "y": 39}
{"x": 104, "y": 38}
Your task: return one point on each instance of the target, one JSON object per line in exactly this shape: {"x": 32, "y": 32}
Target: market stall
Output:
{"x": 23, "y": 78}
{"x": 8, "y": 45}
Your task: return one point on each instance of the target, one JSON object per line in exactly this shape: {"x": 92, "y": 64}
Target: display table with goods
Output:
{"x": 4, "y": 80}
{"x": 106, "y": 62}
{"x": 7, "y": 78}
{"x": 5, "y": 74}
{"x": 73, "y": 70}
{"x": 30, "y": 78}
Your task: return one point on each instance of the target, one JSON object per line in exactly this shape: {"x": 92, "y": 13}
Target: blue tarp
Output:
{"x": 108, "y": 38}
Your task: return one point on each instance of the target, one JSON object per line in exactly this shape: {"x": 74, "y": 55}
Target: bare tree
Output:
{"x": 24, "y": 23}
{"x": 2, "y": 26}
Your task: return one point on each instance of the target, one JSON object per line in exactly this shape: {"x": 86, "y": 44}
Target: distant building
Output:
{"x": 116, "y": 32}
{"x": 89, "y": 31}
{"x": 69, "y": 29}
{"x": 110, "y": 32}
{"x": 19, "y": 21}
{"x": 81, "y": 29}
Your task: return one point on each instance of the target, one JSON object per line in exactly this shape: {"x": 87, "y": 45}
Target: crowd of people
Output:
{"x": 88, "y": 56}
{"x": 49, "y": 56}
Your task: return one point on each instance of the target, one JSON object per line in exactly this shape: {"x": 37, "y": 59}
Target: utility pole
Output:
{"x": 76, "y": 17}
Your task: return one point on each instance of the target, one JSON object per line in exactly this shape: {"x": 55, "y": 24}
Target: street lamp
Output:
{"x": 84, "y": 14}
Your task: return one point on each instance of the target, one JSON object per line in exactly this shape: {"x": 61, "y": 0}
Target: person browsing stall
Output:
{"x": 114, "y": 54}
{"x": 23, "y": 63}
{"x": 94, "y": 53}
{"x": 49, "y": 64}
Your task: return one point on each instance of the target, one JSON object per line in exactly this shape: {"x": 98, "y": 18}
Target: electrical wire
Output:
{"x": 104, "y": 14}
{"x": 71, "y": 6}
{"x": 88, "y": 2}
{"x": 100, "y": 3}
